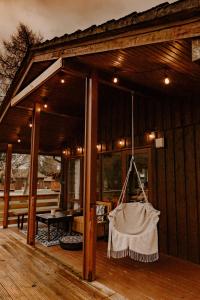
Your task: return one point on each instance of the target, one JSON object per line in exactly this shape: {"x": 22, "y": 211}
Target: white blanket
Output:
{"x": 133, "y": 232}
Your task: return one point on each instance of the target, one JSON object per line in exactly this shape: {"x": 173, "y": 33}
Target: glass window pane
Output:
{"x": 111, "y": 176}
{"x": 134, "y": 192}
{"x": 73, "y": 189}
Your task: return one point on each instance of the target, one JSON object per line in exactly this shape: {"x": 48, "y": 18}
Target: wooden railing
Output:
{"x": 45, "y": 202}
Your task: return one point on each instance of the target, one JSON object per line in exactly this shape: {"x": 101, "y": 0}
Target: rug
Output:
{"x": 55, "y": 235}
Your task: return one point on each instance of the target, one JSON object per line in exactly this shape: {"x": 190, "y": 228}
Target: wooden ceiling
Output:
{"x": 63, "y": 121}
{"x": 146, "y": 66}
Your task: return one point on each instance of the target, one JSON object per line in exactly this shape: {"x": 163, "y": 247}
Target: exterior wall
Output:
{"x": 176, "y": 168}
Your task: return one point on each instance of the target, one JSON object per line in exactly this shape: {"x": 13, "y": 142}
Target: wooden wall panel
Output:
{"x": 175, "y": 169}
{"x": 197, "y": 150}
{"x": 191, "y": 194}
{"x": 170, "y": 194}
{"x": 180, "y": 194}
{"x": 161, "y": 199}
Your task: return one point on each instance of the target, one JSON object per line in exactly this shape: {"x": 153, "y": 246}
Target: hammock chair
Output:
{"x": 133, "y": 226}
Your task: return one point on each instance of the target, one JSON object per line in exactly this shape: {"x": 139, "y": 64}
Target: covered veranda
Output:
{"x": 70, "y": 96}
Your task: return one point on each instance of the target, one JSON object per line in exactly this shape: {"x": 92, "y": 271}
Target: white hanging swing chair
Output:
{"x": 133, "y": 226}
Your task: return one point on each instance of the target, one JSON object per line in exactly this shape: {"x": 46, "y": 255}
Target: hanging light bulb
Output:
{"x": 62, "y": 80}
{"x": 19, "y": 140}
{"x": 99, "y": 147}
{"x": 115, "y": 79}
{"x": 121, "y": 142}
{"x": 30, "y": 124}
{"x": 45, "y": 102}
{"x": 152, "y": 135}
{"x": 167, "y": 80}
{"x": 79, "y": 150}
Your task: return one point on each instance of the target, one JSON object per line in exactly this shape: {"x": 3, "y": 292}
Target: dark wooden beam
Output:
{"x": 33, "y": 175}
{"x": 90, "y": 174}
{"x": 7, "y": 184}
{"x": 50, "y": 113}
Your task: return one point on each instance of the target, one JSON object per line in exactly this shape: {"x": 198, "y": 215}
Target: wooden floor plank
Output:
{"x": 169, "y": 278}
{"x": 26, "y": 273}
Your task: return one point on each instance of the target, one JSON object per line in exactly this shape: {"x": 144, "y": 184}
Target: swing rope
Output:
{"x": 132, "y": 161}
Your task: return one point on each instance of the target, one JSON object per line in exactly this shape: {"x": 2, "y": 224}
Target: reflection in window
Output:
{"x": 134, "y": 192}
{"x": 73, "y": 189}
{"x": 111, "y": 176}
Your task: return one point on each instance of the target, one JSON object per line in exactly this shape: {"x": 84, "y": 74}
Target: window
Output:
{"x": 111, "y": 175}
{"x": 74, "y": 184}
{"x": 134, "y": 192}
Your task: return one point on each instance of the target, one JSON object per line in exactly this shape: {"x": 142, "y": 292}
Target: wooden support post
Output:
{"x": 64, "y": 182}
{"x": 33, "y": 175}
{"x": 7, "y": 184}
{"x": 90, "y": 174}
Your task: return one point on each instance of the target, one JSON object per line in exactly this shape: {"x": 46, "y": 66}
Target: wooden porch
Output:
{"x": 169, "y": 278}
{"x": 59, "y": 86}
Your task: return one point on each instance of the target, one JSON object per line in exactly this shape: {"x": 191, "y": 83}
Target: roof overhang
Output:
{"x": 150, "y": 43}
{"x": 41, "y": 79}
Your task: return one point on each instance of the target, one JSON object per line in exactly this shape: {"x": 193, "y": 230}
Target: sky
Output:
{"x": 56, "y": 17}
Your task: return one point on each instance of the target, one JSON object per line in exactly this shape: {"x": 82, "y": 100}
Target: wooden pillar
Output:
{"x": 90, "y": 175}
{"x": 64, "y": 183}
{"x": 7, "y": 184}
{"x": 33, "y": 175}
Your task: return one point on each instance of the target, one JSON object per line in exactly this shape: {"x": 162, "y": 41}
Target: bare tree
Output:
{"x": 11, "y": 56}
{"x": 13, "y": 53}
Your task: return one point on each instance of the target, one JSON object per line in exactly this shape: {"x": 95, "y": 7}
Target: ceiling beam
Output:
{"x": 42, "y": 78}
{"x": 59, "y": 115}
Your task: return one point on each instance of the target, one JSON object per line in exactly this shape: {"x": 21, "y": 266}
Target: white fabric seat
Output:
{"x": 133, "y": 232}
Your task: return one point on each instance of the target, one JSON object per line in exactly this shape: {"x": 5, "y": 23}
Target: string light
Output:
{"x": 121, "y": 143}
{"x": 30, "y": 124}
{"x": 152, "y": 135}
{"x": 62, "y": 80}
{"x": 167, "y": 80}
{"x": 45, "y": 102}
{"x": 79, "y": 150}
{"x": 115, "y": 79}
{"x": 19, "y": 140}
{"x": 99, "y": 147}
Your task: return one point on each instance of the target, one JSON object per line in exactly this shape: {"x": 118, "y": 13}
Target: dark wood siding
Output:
{"x": 176, "y": 168}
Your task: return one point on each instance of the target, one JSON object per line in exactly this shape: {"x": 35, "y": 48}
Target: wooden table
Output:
{"x": 21, "y": 213}
{"x": 48, "y": 219}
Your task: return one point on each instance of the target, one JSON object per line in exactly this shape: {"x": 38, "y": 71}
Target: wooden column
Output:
{"x": 64, "y": 182}
{"x": 7, "y": 184}
{"x": 33, "y": 175}
{"x": 90, "y": 175}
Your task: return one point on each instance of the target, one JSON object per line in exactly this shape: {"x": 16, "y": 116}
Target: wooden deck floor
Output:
{"x": 168, "y": 279}
{"x": 26, "y": 273}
